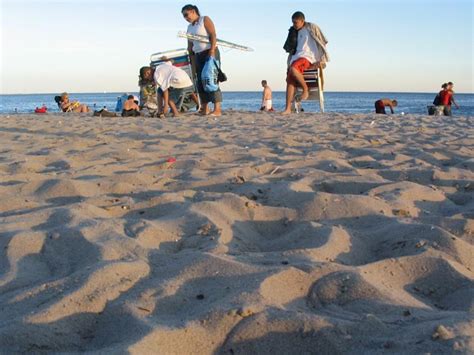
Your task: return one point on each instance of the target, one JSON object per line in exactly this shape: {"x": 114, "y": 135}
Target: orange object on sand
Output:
{"x": 42, "y": 109}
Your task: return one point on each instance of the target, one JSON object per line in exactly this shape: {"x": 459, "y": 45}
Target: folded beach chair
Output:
{"x": 315, "y": 80}
{"x": 179, "y": 57}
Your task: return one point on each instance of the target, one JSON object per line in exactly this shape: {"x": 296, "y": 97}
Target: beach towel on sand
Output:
{"x": 209, "y": 75}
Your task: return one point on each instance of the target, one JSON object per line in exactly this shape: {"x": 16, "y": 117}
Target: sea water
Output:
{"x": 343, "y": 102}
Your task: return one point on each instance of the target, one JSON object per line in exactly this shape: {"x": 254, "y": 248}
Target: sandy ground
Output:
{"x": 306, "y": 234}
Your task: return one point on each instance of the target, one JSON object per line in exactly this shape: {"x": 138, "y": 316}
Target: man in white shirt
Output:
{"x": 173, "y": 85}
{"x": 310, "y": 50}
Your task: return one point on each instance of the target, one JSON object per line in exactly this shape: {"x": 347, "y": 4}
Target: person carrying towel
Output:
{"x": 306, "y": 45}
{"x": 200, "y": 52}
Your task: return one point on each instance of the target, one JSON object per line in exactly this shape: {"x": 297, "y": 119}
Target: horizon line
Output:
{"x": 235, "y": 91}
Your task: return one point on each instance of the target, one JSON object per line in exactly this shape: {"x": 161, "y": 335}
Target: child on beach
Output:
{"x": 148, "y": 98}
{"x": 382, "y": 103}
{"x": 130, "y": 107}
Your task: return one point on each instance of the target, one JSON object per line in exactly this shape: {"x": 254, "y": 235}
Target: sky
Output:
{"x": 51, "y": 46}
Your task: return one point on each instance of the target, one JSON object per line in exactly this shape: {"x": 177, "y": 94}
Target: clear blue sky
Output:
{"x": 99, "y": 45}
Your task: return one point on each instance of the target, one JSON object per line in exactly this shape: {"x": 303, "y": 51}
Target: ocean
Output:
{"x": 343, "y": 102}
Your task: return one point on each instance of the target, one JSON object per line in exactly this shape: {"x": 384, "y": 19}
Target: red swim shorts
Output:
{"x": 301, "y": 64}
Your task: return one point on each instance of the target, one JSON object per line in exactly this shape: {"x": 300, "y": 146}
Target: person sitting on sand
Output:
{"x": 67, "y": 106}
{"x": 130, "y": 107}
{"x": 446, "y": 98}
{"x": 266, "y": 97}
{"x": 173, "y": 85}
{"x": 306, "y": 45}
{"x": 382, "y": 103}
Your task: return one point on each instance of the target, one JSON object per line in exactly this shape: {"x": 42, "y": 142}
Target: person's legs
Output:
{"x": 290, "y": 95}
{"x": 299, "y": 78}
{"x": 174, "y": 109}
{"x": 159, "y": 95}
{"x": 216, "y": 97}
{"x": 447, "y": 110}
{"x": 295, "y": 74}
{"x": 200, "y": 60}
{"x": 194, "y": 97}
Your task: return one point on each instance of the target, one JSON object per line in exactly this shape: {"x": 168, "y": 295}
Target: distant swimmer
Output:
{"x": 267, "y": 104}
{"x": 382, "y": 103}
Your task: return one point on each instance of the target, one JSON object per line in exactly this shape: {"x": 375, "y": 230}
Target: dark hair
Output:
{"x": 264, "y": 82}
{"x": 298, "y": 15}
{"x": 395, "y": 102}
{"x": 190, "y": 7}
{"x": 444, "y": 86}
{"x": 130, "y": 97}
{"x": 450, "y": 83}
{"x": 143, "y": 70}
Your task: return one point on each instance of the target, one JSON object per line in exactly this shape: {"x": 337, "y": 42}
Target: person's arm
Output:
{"x": 211, "y": 30}
{"x": 454, "y": 102}
{"x": 191, "y": 59}
{"x": 391, "y": 108}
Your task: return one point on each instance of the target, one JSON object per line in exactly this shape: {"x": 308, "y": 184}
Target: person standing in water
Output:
{"x": 446, "y": 98}
{"x": 267, "y": 104}
{"x": 200, "y": 52}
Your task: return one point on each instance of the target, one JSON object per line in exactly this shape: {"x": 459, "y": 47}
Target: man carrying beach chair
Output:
{"x": 306, "y": 45}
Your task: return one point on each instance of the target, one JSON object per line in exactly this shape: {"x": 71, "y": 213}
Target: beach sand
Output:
{"x": 303, "y": 234}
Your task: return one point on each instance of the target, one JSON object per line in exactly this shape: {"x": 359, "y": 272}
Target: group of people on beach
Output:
{"x": 443, "y": 101}
{"x": 441, "y": 104}
{"x": 168, "y": 87}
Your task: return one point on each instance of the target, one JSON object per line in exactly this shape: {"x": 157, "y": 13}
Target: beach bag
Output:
{"x": 221, "y": 77}
{"x": 209, "y": 75}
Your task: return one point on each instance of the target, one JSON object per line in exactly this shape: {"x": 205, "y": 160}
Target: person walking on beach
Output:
{"x": 267, "y": 104}
{"x": 306, "y": 45}
{"x": 446, "y": 98}
{"x": 200, "y": 52}
{"x": 382, "y": 103}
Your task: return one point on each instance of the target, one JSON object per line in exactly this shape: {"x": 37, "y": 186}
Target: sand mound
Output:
{"x": 319, "y": 233}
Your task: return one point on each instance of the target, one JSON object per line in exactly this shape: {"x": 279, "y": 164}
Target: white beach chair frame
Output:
{"x": 315, "y": 81}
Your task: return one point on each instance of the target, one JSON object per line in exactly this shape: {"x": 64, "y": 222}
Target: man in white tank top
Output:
{"x": 200, "y": 52}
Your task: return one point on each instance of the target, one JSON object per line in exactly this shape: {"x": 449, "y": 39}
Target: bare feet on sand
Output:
{"x": 216, "y": 113}
{"x": 286, "y": 112}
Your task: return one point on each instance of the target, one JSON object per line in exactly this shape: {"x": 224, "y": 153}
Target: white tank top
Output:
{"x": 199, "y": 29}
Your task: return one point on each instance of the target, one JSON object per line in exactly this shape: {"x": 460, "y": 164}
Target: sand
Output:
{"x": 303, "y": 234}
